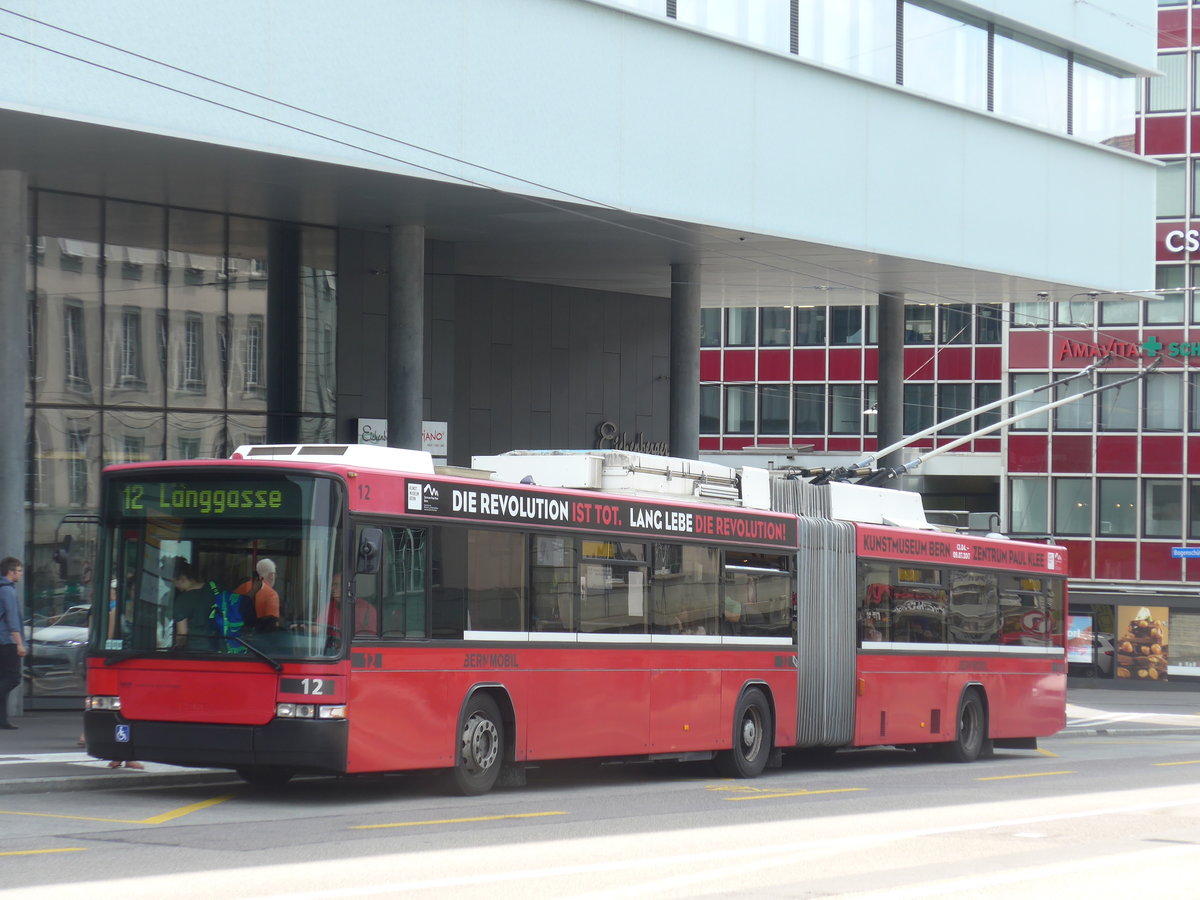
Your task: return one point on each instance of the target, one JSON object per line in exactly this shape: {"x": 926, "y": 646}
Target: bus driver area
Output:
{"x": 559, "y": 605}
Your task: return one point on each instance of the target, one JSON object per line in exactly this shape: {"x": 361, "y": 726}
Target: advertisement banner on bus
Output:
{"x": 529, "y": 506}
{"x": 961, "y": 550}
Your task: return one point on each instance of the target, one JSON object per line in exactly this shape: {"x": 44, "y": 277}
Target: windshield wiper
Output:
{"x": 273, "y": 663}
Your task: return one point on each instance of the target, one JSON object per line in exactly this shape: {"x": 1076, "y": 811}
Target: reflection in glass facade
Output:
{"x": 156, "y": 333}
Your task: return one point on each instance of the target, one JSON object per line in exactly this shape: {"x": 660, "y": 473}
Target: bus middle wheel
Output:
{"x": 752, "y": 730}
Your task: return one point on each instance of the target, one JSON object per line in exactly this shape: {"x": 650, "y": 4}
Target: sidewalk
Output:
{"x": 42, "y": 754}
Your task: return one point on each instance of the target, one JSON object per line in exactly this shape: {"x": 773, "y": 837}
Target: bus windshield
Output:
{"x": 212, "y": 563}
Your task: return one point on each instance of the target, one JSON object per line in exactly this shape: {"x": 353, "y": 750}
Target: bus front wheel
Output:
{"x": 480, "y": 752}
{"x": 751, "y": 738}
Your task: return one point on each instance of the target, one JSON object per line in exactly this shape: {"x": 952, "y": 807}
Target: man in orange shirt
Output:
{"x": 262, "y": 591}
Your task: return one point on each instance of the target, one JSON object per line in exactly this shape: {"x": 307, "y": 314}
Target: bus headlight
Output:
{"x": 309, "y": 711}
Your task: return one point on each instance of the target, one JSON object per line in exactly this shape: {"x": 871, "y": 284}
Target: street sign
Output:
{"x": 1185, "y": 552}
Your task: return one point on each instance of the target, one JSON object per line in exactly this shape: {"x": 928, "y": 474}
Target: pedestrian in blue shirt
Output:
{"x": 12, "y": 638}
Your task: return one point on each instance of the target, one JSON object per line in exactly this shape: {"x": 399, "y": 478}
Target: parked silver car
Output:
{"x": 57, "y": 661}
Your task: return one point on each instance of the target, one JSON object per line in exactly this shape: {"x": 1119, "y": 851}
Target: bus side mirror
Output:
{"x": 370, "y": 542}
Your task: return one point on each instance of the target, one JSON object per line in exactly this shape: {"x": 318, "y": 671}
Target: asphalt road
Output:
{"x": 1091, "y": 810}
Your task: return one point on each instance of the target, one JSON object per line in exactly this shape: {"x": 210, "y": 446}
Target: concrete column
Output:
{"x": 685, "y": 360}
{"x": 14, "y": 310}
{"x": 406, "y": 336}
{"x": 890, "y": 403}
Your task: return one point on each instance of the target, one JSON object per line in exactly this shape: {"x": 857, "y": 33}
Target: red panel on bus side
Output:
{"x": 232, "y": 693}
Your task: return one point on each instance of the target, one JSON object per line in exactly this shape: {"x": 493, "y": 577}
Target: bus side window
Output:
{"x": 403, "y": 600}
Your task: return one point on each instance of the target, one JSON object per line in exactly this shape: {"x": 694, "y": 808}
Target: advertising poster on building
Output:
{"x": 1142, "y": 643}
{"x": 1081, "y": 644}
{"x": 1185, "y": 644}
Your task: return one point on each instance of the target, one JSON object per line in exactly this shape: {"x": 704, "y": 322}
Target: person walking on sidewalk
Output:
{"x": 12, "y": 638}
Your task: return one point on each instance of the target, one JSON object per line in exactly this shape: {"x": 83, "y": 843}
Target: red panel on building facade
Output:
{"x": 1027, "y": 453}
{"x": 710, "y": 443}
{"x": 808, "y": 365}
{"x": 1117, "y": 453}
{"x": 1172, "y": 29}
{"x": 1028, "y": 350}
{"x": 871, "y": 364}
{"x": 710, "y": 365}
{"x": 918, "y": 364}
{"x": 845, "y": 365}
{"x": 1166, "y": 135}
{"x": 1079, "y": 558}
{"x": 986, "y": 445}
{"x": 1116, "y": 559}
{"x": 954, "y": 364}
{"x": 737, "y": 443}
{"x": 850, "y": 444}
{"x": 1193, "y": 454}
{"x": 1161, "y": 454}
{"x": 987, "y": 364}
{"x": 774, "y": 365}
{"x": 1072, "y": 453}
{"x": 1157, "y": 564}
{"x": 739, "y": 365}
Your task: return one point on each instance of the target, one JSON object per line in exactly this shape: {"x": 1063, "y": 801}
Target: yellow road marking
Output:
{"x": 33, "y": 852}
{"x": 1186, "y": 762}
{"x": 793, "y": 794}
{"x": 153, "y": 820}
{"x": 459, "y": 821}
{"x": 1026, "y": 775}
{"x": 1045, "y": 752}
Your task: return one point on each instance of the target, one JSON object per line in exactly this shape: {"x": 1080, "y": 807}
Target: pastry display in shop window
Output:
{"x": 1142, "y": 649}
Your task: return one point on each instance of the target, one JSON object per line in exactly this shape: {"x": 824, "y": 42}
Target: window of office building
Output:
{"x": 1103, "y": 105}
{"x": 810, "y": 326}
{"x": 774, "y": 326}
{"x": 710, "y": 327}
{"x": 1028, "y": 505}
{"x": 1117, "y": 511}
{"x": 1164, "y": 507}
{"x": 1120, "y": 312}
{"x": 1073, "y": 506}
{"x": 1026, "y": 381}
{"x": 1031, "y": 313}
{"x": 1168, "y": 93}
{"x": 1193, "y": 487}
{"x": 986, "y": 392}
{"x": 809, "y": 409}
{"x": 988, "y": 318}
{"x": 945, "y": 56}
{"x": 954, "y": 400}
{"x": 1164, "y": 401}
{"x": 845, "y": 325}
{"x": 1117, "y": 407}
{"x": 1077, "y": 414}
{"x": 854, "y": 35}
{"x": 739, "y": 327}
{"x": 739, "y": 408}
{"x": 954, "y": 324}
{"x": 1077, "y": 312}
{"x": 918, "y": 407}
{"x": 1030, "y": 82}
{"x": 845, "y": 409}
{"x": 918, "y": 324}
{"x": 710, "y": 409}
{"x": 1171, "y": 191}
{"x": 773, "y": 403}
{"x": 1168, "y": 309}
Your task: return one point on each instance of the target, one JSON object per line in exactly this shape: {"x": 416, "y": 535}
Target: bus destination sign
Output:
{"x": 203, "y": 499}
{"x": 496, "y": 503}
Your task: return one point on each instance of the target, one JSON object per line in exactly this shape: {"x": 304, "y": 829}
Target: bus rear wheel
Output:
{"x": 971, "y": 732}
{"x": 480, "y": 752}
{"x": 752, "y": 732}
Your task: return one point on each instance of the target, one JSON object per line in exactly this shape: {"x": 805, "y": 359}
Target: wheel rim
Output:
{"x": 480, "y": 745}
{"x": 751, "y": 733}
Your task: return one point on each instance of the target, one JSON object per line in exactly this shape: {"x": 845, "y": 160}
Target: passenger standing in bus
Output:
{"x": 193, "y": 603}
{"x": 12, "y": 640}
{"x": 262, "y": 591}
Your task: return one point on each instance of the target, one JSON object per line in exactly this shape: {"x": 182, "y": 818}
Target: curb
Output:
{"x": 1122, "y": 732}
{"x": 105, "y": 780}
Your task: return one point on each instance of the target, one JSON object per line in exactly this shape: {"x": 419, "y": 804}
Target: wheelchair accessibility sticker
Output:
{"x": 122, "y": 734}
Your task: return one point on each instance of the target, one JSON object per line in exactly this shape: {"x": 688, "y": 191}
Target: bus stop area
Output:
{"x": 42, "y": 753}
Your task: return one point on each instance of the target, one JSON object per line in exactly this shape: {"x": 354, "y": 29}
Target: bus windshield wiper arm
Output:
{"x": 273, "y": 663}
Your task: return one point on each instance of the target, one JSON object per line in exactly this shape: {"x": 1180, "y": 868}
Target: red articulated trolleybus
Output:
{"x": 549, "y": 605}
